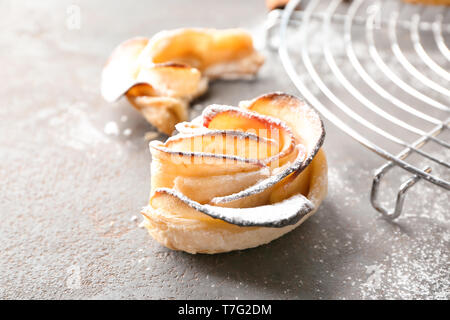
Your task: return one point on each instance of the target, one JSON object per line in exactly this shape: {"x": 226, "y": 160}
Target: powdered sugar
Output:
{"x": 298, "y": 165}
{"x": 277, "y": 215}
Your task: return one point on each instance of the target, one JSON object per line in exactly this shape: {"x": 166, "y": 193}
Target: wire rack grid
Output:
{"x": 393, "y": 63}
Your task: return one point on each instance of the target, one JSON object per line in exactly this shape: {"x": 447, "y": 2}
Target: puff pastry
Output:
{"x": 161, "y": 75}
{"x": 236, "y": 178}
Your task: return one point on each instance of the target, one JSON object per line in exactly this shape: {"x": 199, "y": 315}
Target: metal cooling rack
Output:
{"x": 393, "y": 64}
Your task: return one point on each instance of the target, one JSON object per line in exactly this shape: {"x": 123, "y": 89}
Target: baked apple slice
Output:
{"x": 226, "y": 142}
{"x": 299, "y": 116}
{"x": 236, "y": 178}
{"x": 163, "y": 112}
{"x": 126, "y": 69}
{"x": 191, "y": 163}
{"x": 195, "y": 173}
{"x": 289, "y": 211}
{"x": 120, "y": 71}
{"x": 224, "y": 54}
{"x": 218, "y": 117}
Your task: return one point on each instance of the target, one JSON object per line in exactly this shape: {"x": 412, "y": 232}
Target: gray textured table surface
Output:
{"x": 74, "y": 172}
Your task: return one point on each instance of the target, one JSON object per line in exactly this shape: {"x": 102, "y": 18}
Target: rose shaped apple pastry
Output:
{"x": 161, "y": 75}
{"x": 236, "y": 178}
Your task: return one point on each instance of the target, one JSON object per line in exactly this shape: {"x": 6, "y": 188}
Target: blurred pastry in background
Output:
{"x": 276, "y": 4}
{"x": 161, "y": 75}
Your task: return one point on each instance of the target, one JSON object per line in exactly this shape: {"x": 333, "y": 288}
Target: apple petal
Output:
{"x": 213, "y": 52}
{"x": 197, "y": 164}
{"x": 288, "y": 212}
{"x": 121, "y": 69}
{"x": 299, "y": 116}
{"x": 162, "y": 112}
{"x": 224, "y": 142}
{"x": 248, "y": 196}
{"x": 203, "y": 189}
{"x": 220, "y": 117}
{"x": 173, "y": 80}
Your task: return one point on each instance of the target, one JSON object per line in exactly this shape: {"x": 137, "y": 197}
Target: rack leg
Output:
{"x": 394, "y": 213}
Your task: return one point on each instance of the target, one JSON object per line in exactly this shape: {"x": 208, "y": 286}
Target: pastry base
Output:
{"x": 216, "y": 236}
